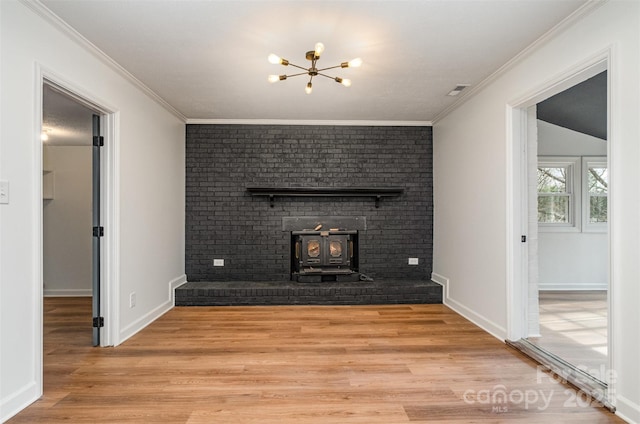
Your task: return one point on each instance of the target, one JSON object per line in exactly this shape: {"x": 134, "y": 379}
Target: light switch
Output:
{"x": 4, "y": 192}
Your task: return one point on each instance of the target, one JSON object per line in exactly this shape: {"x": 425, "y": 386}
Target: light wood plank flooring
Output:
{"x": 295, "y": 364}
{"x": 573, "y": 326}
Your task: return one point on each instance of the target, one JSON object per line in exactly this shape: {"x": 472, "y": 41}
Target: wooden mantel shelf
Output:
{"x": 375, "y": 192}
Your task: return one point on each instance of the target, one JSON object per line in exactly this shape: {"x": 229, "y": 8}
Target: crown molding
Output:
{"x": 353, "y": 123}
{"x": 567, "y": 22}
{"x": 46, "y": 13}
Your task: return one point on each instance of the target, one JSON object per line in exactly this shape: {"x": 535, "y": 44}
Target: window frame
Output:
{"x": 574, "y": 191}
{"x": 588, "y": 226}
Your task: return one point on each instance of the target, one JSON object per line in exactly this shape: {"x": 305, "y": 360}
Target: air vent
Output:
{"x": 457, "y": 90}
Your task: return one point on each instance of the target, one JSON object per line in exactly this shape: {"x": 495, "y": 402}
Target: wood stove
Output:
{"x": 319, "y": 256}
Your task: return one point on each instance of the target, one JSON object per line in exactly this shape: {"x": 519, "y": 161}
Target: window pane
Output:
{"x": 553, "y": 209}
{"x": 597, "y": 209}
{"x": 552, "y": 180}
{"x": 598, "y": 180}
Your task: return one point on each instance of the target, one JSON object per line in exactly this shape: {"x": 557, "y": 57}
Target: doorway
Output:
{"x": 71, "y": 182}
{"x": 571, "y": 197}
{"x": 560, "y": 194}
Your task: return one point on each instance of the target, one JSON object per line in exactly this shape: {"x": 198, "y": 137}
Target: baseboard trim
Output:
{"x": 437, "y": 278}
{"x": 486, "y": 324}
{"x": 68, "y": 293}
{"x": 19, "y": 400}
{"x": 572, "y": 287}
{"x": 155, "y": 313}
{"x": 173, "y": 285}
{"x": 627, "y": 410}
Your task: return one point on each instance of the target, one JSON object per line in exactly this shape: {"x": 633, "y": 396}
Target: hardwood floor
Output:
{"x": 573, "y": 326}
{"x": 295, "y": 364}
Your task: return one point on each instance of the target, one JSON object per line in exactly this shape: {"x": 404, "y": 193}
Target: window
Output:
{"x": 596, "y": 190}
{"x": 557, "y": 197}
{"x": 572, "y": 197}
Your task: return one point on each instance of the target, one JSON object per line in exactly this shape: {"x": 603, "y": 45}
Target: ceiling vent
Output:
{"x": 458, "y": 89}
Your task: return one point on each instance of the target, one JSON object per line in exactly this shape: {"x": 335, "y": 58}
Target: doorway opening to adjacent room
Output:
{"x": 77, "y": 201}
{"x": 561, "y": 203}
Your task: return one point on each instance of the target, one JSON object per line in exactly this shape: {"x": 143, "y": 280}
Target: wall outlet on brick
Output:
{"x": 218, "y": 262}
{"x": 413, "y": 261}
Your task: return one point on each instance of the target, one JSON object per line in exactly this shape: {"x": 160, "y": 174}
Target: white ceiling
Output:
{"x": 208, "y": 59}
{"x": 65, "y": 121}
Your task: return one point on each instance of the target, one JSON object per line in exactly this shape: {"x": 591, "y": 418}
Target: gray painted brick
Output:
{"x": 224, "y": 221}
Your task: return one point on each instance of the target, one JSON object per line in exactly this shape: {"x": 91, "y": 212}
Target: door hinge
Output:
{"x": 98, "y": 140}
{"x": 98, "y": 322}
{"x": 523, "y": 239}
{"x": 98, "y": 231}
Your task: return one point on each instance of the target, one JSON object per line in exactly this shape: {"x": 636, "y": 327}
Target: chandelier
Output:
{"x": 313, "y": 56}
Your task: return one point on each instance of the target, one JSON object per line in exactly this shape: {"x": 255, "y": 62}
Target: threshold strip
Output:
{"x": 568, "y": 372}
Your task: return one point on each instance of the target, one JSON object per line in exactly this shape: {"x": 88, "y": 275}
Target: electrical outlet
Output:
{"x": 413, "y": 261}
{"x": 218, "y": 262}
{"x": 132, "y": 299}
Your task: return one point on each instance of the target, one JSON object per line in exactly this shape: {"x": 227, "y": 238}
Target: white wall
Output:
{"x": 146, "y": 179}
{"x": 557, "y": 141}
{"x": 470, "y": 192}
{"x": 67, "y": 224}
{"x": 571, "y": 260}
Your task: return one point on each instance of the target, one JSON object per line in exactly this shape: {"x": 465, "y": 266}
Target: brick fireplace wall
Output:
{"x": 223, "y": 221}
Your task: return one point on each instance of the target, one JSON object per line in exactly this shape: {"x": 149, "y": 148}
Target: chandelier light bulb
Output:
{"x": 308, "y": 88}
{"x": 275, "y": 59}
{"x": 344, "y": 81}
{"x": 273, "y": 78}
{"x": 319, "y": 49}
{"x": 355, "y": 63}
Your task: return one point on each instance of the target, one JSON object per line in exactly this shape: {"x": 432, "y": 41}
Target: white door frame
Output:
{"x": 518, "y": 288}
{"x": 109, "y": 203}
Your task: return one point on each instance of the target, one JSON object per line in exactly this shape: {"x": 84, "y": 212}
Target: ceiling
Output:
{"x": 581, "y": 108}
{"x": 208, "y": 59}
{"x": 65, "y": 121}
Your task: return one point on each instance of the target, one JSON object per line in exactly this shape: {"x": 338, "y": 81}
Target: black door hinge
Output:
{"x": 98, "y": 322}
{"x": 98, "y": 231}
{"x": 523, "y": 239}
{"x": 98, "y": 140}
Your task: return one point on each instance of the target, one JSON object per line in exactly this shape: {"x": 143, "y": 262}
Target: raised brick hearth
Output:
{"x": 294, "y": 293}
